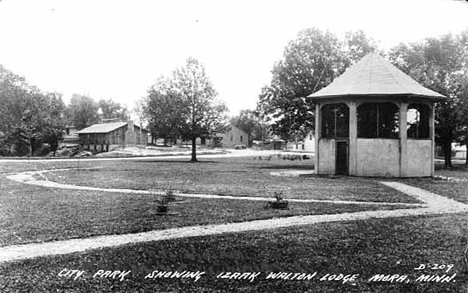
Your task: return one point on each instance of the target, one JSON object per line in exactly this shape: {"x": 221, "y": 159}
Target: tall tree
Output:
{"x": 54, "y": 125}
{"x": 202, "y": 114}
{"x": 310, "y": 62}
{"x": 161, "y": 108}
{"x": 83, "y": 111}
{"x": 441, "y": 65}
{"x": 28, "y": 116}
{"x": 111, "y": 109}
{"x": 185, "y": 104}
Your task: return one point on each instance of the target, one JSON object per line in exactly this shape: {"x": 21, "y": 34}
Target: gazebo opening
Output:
{"x": 378, "y": 120}
{"x": 335, "y": 120}
{"x": 418, "y": 121}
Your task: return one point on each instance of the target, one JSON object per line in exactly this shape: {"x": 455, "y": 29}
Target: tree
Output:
{"x": 83, "y": 111}
{"x": 28, "y": 117}
{"x": 441, "y": 65}
{"x": 111, "y": 109}
{"x": 186, "y": 105}
{"x": 310, "y": 62}
{"x": 54, "y": 125}
{"x": 160, "y": 110}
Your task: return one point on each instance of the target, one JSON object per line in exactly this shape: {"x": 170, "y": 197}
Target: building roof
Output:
{"x": 375, "y": 76}
{"x": 102, "y": 127}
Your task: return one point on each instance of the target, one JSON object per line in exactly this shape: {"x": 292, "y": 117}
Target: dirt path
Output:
{"x": 434, "y": 204}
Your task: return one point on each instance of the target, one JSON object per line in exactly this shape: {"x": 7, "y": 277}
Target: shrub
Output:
{"x": 279, "y": 202}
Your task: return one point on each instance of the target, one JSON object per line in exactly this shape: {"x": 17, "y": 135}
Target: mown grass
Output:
{"x": 455, "y": 187}
{"x": 374, "y": 246}
{"x": 235, "y": 176}
{"x": 36, "y": 214}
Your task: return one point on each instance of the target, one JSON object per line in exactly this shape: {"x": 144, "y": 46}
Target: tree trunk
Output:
{"x": 30, "y": 146}
{"x": 466, "y": 145}
{"x": 194, "y": 150}
{"x": 447, "y": 148}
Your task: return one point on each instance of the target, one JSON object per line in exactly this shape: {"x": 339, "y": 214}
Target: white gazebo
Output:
{"x": 374, "y": 120}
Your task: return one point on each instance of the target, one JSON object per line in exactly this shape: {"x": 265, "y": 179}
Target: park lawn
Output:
{"x": 32, "y": 213}
{"x": 367, "y": 248}
{"x": 455, "y": 189}
{"x": 228, "y": 176}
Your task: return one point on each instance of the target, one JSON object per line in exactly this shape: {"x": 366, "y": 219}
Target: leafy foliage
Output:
{"x": 83, "y": 111}
{"x": 185, "y": 105}
{"x": 310, "y": 62}
{"x": 111, "y": 109}
{"x": 159, "y": 108}
{"x": 28, "y": 117}
{"x": 440, "y": 64}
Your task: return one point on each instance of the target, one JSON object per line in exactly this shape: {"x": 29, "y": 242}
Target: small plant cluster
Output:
{"x": 448, "y": 178}
{"x": 291, "y": 157}
{"x": 163, "y": 203}
{"x": 279, "y": 202}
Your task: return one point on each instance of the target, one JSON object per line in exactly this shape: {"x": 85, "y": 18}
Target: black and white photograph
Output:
{"x": 234, "y": 146}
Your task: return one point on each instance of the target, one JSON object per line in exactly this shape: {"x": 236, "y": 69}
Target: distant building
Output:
{"x": 459, "y": 151}
{"x": 234, "y": 137}
{"x": 71, "y": 135}
{"x": 105, "y": 136}
{"x": 306, "y": 145}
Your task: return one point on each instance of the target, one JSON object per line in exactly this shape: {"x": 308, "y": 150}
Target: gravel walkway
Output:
{"x": 28, "y": 178}
{"x": 435, "y": 204}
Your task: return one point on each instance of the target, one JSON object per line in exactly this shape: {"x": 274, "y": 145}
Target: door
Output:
{"x": 341, "y": 158}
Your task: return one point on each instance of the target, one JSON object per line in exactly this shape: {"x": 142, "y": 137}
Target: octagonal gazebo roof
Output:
{"x": 374, "y": 76}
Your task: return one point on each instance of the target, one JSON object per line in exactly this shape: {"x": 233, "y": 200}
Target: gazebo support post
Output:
{"x": 352, "y": 155}
{"x": 403, "y": 161}
{"x": 432, "y": 135}
{"x": 318, "y": 122}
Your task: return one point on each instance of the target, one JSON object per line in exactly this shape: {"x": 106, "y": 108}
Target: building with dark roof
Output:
{"x": 374, "y": 120}
{"x": 105, "y": 136}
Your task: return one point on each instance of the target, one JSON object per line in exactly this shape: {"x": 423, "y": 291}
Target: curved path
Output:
{"x": 28, "y": 178}
{"x": 434, "y": 204}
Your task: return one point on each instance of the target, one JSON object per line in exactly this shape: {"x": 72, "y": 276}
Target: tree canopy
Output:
{"x": 185, "y": 105}
{"x": 112, "y": 110}
{"x": 440, "y": 64}
{"x": 28, "y": 116}
{"x": 83, "y": 111}
{"x": 310, "y": 62}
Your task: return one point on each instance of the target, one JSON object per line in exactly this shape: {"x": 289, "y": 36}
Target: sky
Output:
{"x": 117, "y": 49}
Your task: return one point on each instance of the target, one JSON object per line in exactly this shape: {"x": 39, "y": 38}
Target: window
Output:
{"x": 335, "y": 120}
{"x": 378, "y": 120}
{"x": 232, "y": 137}
{"x": 417, "y": 121}
{"x": 241, "y": 138}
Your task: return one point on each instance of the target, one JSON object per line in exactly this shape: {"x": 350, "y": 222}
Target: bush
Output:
{"x": 279, "y": 202}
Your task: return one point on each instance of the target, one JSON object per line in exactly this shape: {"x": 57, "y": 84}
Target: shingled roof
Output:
{"x": 374, "y": 76}
{"x": 102, "y": 127}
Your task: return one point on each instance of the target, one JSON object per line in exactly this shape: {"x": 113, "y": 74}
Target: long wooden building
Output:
{"x": 104, "y": 136}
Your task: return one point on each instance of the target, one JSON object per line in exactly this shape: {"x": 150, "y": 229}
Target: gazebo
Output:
{"x": 374, "y": 120}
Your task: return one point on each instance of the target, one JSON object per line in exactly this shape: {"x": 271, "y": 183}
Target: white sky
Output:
{"x": 117, "y": 49}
